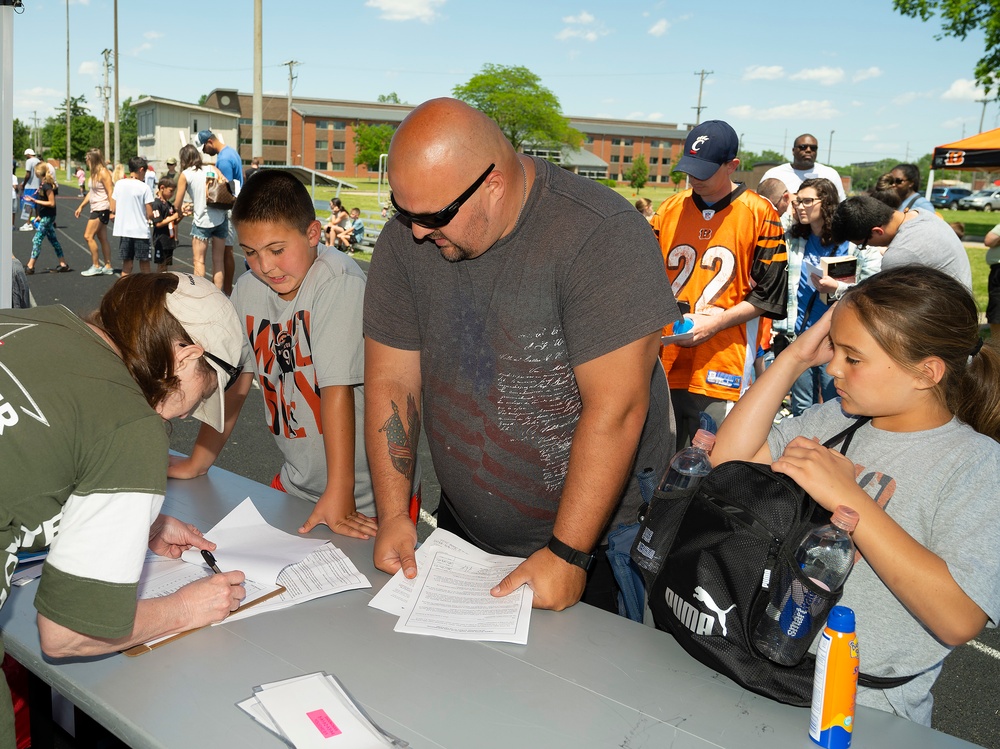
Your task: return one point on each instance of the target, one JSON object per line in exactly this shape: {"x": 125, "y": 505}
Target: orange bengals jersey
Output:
{"x": 716, "y": 257}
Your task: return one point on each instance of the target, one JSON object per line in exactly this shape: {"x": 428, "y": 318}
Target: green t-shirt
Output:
{"x": 85, "y": 461}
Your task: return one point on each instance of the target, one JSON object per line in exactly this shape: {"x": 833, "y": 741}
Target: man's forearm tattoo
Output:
{"x": 402, "y": 439}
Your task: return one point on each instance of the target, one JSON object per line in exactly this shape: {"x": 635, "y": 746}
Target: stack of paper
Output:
{"x": 450, "y": 596}
{"x": 315, "y": 711}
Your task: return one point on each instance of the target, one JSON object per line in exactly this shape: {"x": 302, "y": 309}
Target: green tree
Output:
{"x": 370, "y": 142}
{"x": 638, "y": 174}
{"x": 959, "y": 18}
{"x": 128, "y": 130}
{"x": 22, "y": 138}
{"x": 390, "y": 98}
{"x": 86, "y": 131}
{"x": 516, "y": 100}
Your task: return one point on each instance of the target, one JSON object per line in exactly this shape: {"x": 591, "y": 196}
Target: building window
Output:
{"x": 614, "y": 159}
{"x": 336, "y": 166}
{"x": 337, "y": 125}
{"x": 321, "y": 145}
{"x": 144, "y": 122}
{"x": 588, "y": 138}
{"x": 628, "y": 142}
{"x": 267, "y": 142}
{"x": 627, "y": 160}
{"x": 664, "y": 178}
{"x": 338, "y": 145}
{"x": 321, "y": 165}
{"x": 654, "y": 160}
{"x": 616, "y": 141}
{"x": 265, "y": 123}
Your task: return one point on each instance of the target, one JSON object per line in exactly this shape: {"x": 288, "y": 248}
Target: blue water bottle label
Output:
{"x": 796, "y": 618}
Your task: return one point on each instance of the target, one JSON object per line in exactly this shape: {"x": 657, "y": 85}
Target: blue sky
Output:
{"x": 879, "y": 81}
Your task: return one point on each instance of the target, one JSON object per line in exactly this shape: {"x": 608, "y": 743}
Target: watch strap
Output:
{"x": 569, "y": 554}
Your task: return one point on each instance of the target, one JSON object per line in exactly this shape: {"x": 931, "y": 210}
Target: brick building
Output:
{"x": 322, "y": 136}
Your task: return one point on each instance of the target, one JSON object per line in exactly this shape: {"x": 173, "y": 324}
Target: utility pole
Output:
{"x": 69, "y": 173}
{"x": 118, "y": 135}
{"x": 291, "y": 79}
{"x": 702, "y": 74}
{"x": 257, "y": 138}
{"x": 36, "y": 144}
{"x": 984, "y": 101}
{"x": 105, "y": 93}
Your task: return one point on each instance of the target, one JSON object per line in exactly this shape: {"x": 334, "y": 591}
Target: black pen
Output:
{"x": 210, "y": 561}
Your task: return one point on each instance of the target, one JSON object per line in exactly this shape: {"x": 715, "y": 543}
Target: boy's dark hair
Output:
{"x": 136, "y": 163}
{"x": 273, "y": 196}
{"x": 167, "y": 182}
{"x": 856, "y": 217}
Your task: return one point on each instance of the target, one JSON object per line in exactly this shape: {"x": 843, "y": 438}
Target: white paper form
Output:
{"x": 452, "y": 599}
{"x": 312, "y": 713}
{"x": 162, "y": 576}
{"x": 395, "y": 594}
{"x": 324, "y": 572}
{"x": 246, "y": 542}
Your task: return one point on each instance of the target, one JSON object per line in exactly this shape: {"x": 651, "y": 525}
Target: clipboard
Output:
{"x": 146, "y": 647}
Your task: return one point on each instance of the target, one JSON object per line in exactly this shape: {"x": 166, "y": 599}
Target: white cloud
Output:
{"x": 634, "y": 116}
{"x": 870, "y": 138}
{"x": 963, "y": 90}
{"x": 654, "y": 116}
{"x": 763, "y": 73}
{"x": 583, "y": 26}
{"x": 908, "y": 97}
{"x": 89, "y": 68}
{"x": 659, "y": 28}
{"x": 144, "y": 47}
{"x": 807, "y": 108}
{"x": 864, "y": 75}
{"x": 406, "y": 10}
{"x": 824, "y": 76}
{"x": 152, "y": 35}
{"x": 955, "y": 122}
{"x": 857, "y": 103}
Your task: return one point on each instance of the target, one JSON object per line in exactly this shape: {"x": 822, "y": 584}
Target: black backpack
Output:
{"x": 725, "y": 545}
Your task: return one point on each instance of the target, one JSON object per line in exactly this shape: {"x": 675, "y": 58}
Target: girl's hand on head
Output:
{"x": 813, "y": 346}
{"x": 825, "y": 474}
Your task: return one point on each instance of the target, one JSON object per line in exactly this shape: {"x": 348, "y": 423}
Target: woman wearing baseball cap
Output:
{"x": 84, "y": 446}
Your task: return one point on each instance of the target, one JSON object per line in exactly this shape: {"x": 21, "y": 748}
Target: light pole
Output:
{"x": 68, "y": 167}
{"x": 829, "y": 148}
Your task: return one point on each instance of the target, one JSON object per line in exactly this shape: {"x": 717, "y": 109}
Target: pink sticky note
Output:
{"x": 323, "y": 723}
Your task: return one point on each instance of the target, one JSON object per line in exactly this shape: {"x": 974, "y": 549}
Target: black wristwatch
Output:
{"x": 569, "y": 554}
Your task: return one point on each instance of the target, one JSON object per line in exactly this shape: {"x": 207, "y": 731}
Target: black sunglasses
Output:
{"x": 446, "y": 214}
{"x": 808, "y": 147}
{"x": 896, "y": 180}
{"x": 232, "y": 371}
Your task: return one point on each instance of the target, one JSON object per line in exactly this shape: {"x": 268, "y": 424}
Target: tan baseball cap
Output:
{"x": 211, "y": 320}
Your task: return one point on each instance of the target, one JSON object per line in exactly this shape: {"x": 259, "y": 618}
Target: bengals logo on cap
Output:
{"x": 954, "y": 158}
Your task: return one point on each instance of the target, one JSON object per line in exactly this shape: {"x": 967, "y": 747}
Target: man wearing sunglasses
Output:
{"x": 804, "y": 166}
{"x": 517, "y": 308}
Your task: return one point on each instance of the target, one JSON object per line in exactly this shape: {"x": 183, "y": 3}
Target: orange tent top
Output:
{"x": 980, "y": 151}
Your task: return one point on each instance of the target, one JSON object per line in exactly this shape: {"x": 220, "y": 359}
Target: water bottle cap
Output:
{"x": 704, "y": 439}
{"x": 845, "y": 518}
{"x": 841, "y": 619}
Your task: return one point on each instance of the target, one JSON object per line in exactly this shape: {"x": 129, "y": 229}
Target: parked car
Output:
{"x": 983, "y": 200}
{"x": 948, "y": 197}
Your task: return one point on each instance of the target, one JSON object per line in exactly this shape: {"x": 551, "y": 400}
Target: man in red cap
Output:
{"x": 724, "y": 252}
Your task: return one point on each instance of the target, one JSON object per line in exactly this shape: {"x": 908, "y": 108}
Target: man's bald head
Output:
{"x": 440, "y": 149}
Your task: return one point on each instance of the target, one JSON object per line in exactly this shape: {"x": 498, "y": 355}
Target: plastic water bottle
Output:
{"x": 825, "y": 556}
{"x": 835, "y": 683}
{"x": 687, "y": 468}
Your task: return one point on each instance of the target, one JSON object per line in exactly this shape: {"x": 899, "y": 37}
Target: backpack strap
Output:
{"x": 884, "y": 682}
{"x": 847, "y": 435}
